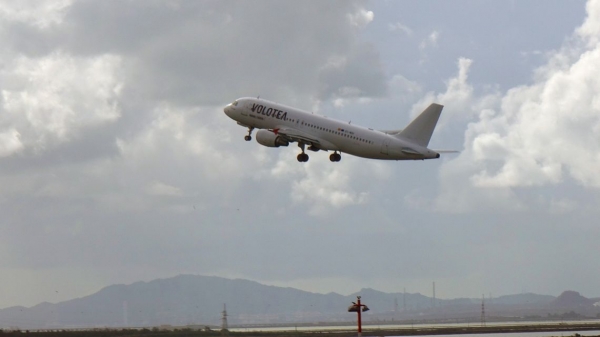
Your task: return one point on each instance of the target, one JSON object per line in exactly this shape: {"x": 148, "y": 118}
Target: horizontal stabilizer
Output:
{"x": 421, "y": 128}
{"x": 410, "y": 151}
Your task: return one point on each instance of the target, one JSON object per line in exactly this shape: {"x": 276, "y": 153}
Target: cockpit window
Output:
{"x": 235, "y": 103}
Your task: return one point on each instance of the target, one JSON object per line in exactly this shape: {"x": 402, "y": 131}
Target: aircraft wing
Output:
{"x": 446, "y": 151}
{"x": 294, "y": 135}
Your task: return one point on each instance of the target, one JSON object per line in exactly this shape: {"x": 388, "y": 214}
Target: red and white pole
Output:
{"x": 359, "y": 318}
{"x": 359, "y": 308}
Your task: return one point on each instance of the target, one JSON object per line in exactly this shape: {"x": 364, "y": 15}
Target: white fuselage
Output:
{"x": 334, "y": 135}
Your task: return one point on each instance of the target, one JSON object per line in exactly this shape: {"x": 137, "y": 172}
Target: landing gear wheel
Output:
{"x": 302, "y": 157}
{"x": 335, "y": 157}
{"x": 249, "y": 136}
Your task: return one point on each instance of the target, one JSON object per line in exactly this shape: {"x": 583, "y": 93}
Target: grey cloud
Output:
{"x": 213, "y": 51}
{"x": 22, "y": 38}
{"x": 358, "y": 74}
{"x": 193, "y": 53}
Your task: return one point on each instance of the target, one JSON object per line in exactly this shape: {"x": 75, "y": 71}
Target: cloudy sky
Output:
{"x": 117, "y": 163}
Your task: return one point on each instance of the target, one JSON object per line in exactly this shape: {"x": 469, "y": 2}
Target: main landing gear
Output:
{"x": 335, "y": 157}
{"x": 302, "y": 157}
{"x": 249, "y": 136}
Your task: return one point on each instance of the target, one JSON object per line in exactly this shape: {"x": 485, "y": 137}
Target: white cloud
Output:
{"x": 158, "y": 188}
{"x": 399, "y": 27}
{"x": 531, "y": 136}
{"x": 460, "y": 103}
{"x": 10, "y": 142}
{"x": 177, "y": 134}
{"x": 590, "y": 29}
{"x": 361, "y": 17}
{"x": 562, "y": 205}
{"x": 325, "y": 186}
{"x": 431, "y": 41}
{"x": 40, "y": 13}
{"x": 433, "y": 38}
{"x": 52, "y": 98}
{"x": 400, "y": 85}
{"x": 548, "y": 129}
{"x": 336, "y": 62}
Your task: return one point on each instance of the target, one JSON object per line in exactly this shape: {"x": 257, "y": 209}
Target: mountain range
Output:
{"x": 199, "y": 300}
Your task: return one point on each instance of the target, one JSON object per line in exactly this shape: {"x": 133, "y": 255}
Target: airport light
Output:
{"x": 358, "y": 308}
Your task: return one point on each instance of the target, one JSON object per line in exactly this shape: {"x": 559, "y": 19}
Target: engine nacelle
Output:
{"x": 270, "y": 139}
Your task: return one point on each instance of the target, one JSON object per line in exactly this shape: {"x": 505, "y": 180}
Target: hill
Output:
{"x": 198, "y": 300}
{"x": 572, "y": 299}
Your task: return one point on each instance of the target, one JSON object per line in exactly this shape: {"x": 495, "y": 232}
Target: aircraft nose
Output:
{"x": 228, "y": 110}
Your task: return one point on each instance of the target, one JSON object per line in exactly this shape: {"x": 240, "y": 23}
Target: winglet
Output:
{"x": 421, "y": 128}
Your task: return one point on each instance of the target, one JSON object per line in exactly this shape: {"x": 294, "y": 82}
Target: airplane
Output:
{"x": 280, "y": 125}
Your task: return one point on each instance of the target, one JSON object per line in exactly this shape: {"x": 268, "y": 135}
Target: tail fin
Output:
{"x": 421, "y": 128}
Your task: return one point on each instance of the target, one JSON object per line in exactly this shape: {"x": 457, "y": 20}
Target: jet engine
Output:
{"x": 270, "y": 139}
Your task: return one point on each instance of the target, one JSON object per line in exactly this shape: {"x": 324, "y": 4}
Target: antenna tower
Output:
{"x": 482, "y": 310}
{"x": 224, "y": 326}
{"x": 434, "y": 294}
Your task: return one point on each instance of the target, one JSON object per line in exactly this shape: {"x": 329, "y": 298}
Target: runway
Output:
{"x": 515, "y": 329}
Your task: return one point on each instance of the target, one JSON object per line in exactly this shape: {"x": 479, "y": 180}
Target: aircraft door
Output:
{"x": 385, "y": 146}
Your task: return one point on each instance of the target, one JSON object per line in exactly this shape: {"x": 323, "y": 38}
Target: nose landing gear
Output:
{"x": 249, "y": 136}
